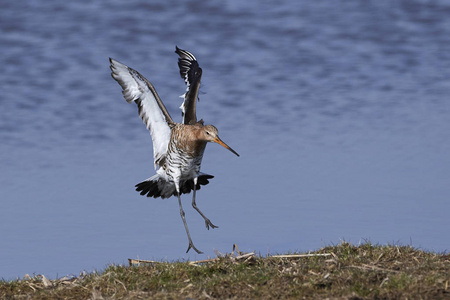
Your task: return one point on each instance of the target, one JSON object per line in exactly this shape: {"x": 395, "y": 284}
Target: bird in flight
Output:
{"x": 177, "y": 147}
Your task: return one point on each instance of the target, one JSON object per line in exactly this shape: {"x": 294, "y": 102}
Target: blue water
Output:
{"x": 340, "y": 112}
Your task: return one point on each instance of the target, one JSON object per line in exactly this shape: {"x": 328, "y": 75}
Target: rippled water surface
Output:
{"x": 340, "y": 112}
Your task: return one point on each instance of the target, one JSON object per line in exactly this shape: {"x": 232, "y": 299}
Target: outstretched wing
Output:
{"x": 191, "y": 73}
{"x": 151, "y": 109}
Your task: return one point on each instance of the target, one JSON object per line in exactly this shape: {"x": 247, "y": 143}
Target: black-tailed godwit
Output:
{"x": 177, "y": 147}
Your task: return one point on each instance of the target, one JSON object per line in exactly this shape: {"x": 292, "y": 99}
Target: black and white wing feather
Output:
{"x": 191, "y": 72}
{"x": 151, "y": 109}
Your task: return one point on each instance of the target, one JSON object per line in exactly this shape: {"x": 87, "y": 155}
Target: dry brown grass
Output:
{"x": 338, "y": 272}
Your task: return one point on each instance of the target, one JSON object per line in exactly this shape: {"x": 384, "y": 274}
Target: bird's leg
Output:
{"x": 191, "y": 244}
{"x": 194, "y": 205}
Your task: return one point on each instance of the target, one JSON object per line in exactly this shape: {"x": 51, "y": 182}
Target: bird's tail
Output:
{"x": 156, "y": 186}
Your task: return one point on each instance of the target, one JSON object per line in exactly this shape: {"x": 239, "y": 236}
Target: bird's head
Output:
{"x": 210, "y": 133}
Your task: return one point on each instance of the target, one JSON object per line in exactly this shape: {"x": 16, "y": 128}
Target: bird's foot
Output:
{"x": 191, "y": 245}
{"x": 208, "y": 223}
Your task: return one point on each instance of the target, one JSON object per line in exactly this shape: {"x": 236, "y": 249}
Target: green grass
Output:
{"x": 346, "y": 272}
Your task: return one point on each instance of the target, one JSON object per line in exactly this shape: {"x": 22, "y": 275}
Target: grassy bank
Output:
{"x": 336, "y": 272}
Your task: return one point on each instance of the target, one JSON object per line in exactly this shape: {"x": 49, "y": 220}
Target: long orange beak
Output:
{"x": 220, "y": 142}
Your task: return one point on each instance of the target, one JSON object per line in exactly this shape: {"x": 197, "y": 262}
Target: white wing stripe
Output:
{"x": 136, "y": 89}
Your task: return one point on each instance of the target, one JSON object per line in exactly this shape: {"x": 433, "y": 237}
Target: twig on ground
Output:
{"x": 299, "y": 255}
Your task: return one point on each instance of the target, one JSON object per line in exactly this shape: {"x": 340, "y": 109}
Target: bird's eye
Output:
{"x": 207, "y": 132}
